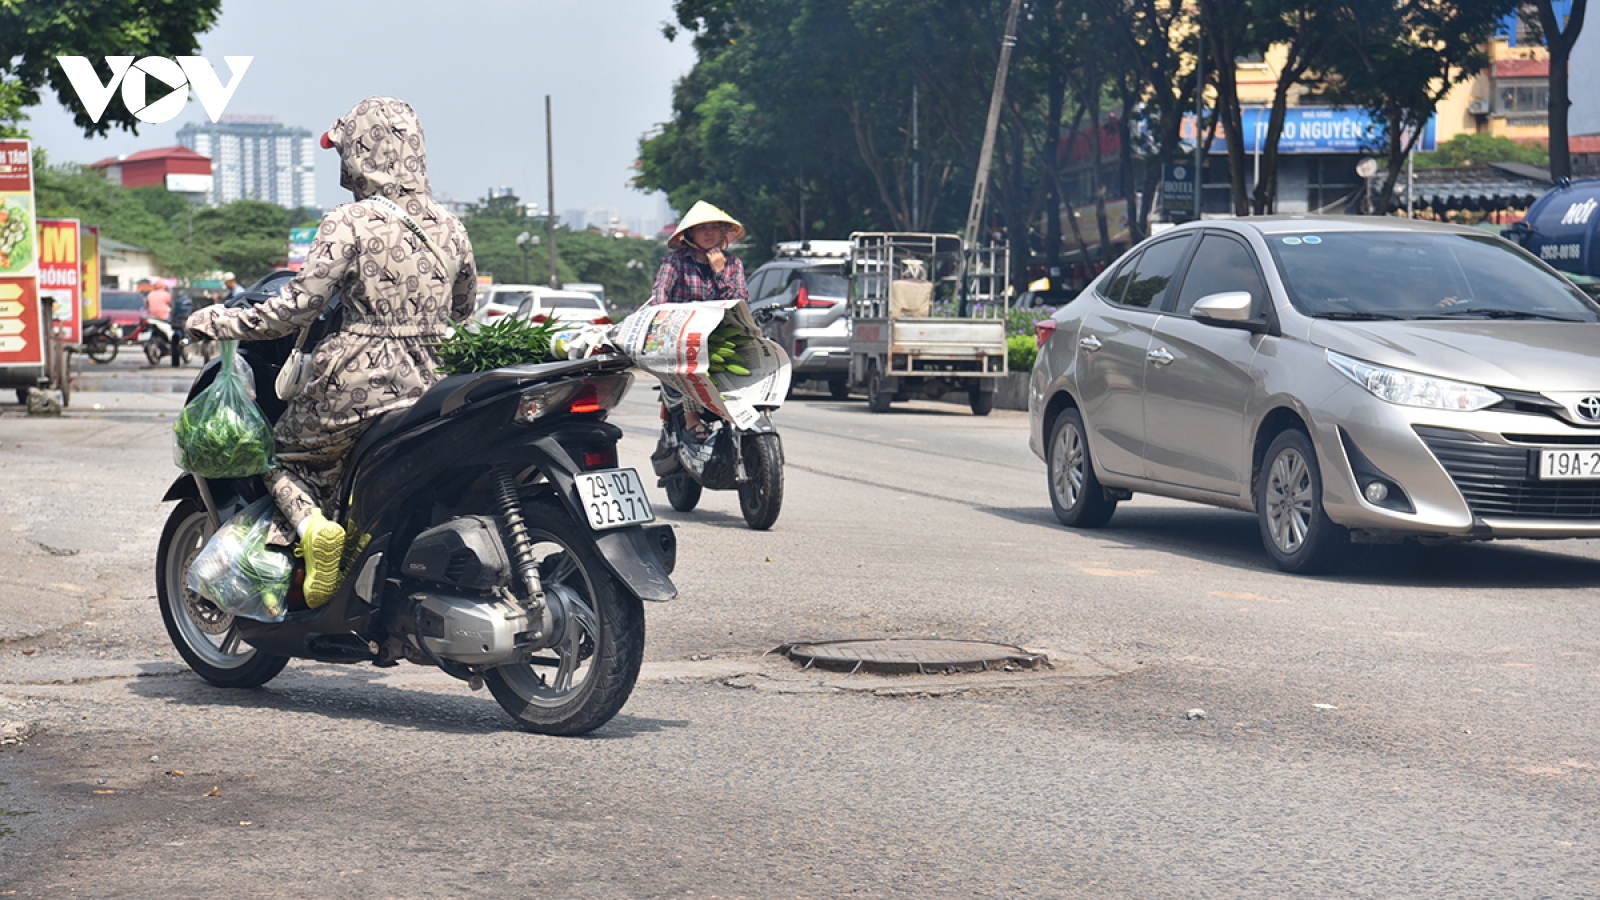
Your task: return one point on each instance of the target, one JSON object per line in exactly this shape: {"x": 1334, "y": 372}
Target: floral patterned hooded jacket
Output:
{"x": 398, "y": 301}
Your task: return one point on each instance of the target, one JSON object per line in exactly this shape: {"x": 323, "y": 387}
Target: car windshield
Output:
{"x": 508, "y": 298}
{"x": 121, "y": 300}
{"x": 827, "y": 284}
{"x": 1411, "y": 275}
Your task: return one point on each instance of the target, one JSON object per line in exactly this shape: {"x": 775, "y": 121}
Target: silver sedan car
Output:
{"x": 1367, "y": 378}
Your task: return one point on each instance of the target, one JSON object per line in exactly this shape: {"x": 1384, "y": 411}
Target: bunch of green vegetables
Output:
{"x": 508, "y": 341}
{"x": 221, "y": 433}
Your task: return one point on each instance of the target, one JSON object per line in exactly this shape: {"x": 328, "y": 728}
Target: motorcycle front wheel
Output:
{"x": 580, "y": 683}
{"x": 205, "y": 636}
{"x": 761, "y": 497}
{"x": 156, "y": 350}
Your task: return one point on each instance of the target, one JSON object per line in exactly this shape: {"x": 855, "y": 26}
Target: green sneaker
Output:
{"x": 323, "y": 550}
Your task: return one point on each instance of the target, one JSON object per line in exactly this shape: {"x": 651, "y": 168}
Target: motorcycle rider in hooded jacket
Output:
{"x": 398, "y": 301}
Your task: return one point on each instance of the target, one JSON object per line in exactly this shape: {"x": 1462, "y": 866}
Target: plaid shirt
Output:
{"x": 682, "y": 280}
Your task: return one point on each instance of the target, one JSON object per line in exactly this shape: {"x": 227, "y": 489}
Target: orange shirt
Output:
{"x": 159, "y": 303}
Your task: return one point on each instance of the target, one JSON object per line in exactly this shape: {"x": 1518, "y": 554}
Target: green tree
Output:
{"x": 34, "y": 32}
{"x": 1473, "y": 149}
{"x": 1560, "y": 37}
{"x": 1397, "y": 60}
{"x": 74, "y": 192}
{"x": 247, "y": 237}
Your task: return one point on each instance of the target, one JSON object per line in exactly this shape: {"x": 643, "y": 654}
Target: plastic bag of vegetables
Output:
{"x": 239, "y": 571}
{"x": 222, "y": 433}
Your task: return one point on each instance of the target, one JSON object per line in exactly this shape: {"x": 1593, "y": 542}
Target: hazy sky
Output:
{"x": 477, "y": 72}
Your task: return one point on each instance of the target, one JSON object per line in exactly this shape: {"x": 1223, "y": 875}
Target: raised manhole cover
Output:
{"x": 919, "y": 655}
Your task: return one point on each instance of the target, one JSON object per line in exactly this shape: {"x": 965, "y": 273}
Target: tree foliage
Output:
{"x": 626, "y": 266}
{"x": 247, "y": 237}
{"x": 1475, "y": 149}
{"x": 797, "y": 116}
{"x": 34, "y": 32}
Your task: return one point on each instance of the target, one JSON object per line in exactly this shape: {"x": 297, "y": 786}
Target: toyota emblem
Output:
{"x": 1588, "y": 409}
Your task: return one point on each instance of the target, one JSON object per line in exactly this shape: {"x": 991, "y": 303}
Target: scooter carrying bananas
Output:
{"x": 748, "y": 460}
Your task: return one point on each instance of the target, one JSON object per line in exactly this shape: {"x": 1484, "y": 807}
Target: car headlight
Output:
{"x": 1404, "y": 388}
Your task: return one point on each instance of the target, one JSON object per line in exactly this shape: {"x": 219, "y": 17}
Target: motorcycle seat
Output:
{"x": 455, "y": 391}
{"x": 97, "y": 321}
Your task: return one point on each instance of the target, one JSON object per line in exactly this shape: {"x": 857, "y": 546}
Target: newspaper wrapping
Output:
{"x": 669, "y": 341}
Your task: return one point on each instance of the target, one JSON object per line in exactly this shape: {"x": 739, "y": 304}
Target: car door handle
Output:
{"x": 1090, "y": 343}
{"x": 1160, "y": 357}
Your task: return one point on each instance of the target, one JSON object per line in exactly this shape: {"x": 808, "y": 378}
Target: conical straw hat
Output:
{"x": 699, "y": 214}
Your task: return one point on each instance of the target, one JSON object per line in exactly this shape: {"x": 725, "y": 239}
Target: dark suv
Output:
{"x": 809, "y": 277}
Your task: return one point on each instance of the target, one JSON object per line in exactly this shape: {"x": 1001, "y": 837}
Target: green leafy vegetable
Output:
{"x": 509, "y": 341}
{"x": 221, "y": 432}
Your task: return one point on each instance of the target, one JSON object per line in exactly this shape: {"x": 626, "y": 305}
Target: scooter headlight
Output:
{"x": 1404, "y": 388}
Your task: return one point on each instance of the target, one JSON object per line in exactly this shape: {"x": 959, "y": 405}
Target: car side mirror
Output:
{"x": 1228, "y": 309}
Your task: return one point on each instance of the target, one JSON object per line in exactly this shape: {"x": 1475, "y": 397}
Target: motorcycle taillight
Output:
{"x": 579, "y": 397}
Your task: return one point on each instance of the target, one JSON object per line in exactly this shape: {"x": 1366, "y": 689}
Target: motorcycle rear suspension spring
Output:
{"x": 505, "y": 485}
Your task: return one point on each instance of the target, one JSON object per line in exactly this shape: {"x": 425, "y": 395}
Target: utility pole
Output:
{"x": 980, "y": 189}
{"x": 550, "y": 182}
{"x": 1199, "y": 107}
{"x": 916, "y": 164}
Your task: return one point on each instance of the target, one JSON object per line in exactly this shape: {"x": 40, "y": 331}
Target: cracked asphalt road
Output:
{"x": 1414, "y": 727}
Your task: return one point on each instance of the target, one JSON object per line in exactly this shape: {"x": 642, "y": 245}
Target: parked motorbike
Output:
{"x": 491, "y": 534}
{"x": 748, "y": 460}
{"x": 158, "y": 336}
{"x": 100, "y": 339}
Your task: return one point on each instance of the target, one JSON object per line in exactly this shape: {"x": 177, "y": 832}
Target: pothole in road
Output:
{"x": 913, "y": 656}
{"x": 896, "y": 668}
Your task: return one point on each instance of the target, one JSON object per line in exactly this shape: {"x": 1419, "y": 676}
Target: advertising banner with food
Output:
{"x": 21, "y": 333}
{"x": 713, "y": 352}
{"x": 17, "y": 250}
{"x": 59, "y": 275}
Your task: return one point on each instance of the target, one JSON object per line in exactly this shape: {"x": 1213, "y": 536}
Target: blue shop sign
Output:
{"x": 1312, "y": 129}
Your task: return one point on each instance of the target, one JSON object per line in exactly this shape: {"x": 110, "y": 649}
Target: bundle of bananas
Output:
{"x": 724, "y": 344}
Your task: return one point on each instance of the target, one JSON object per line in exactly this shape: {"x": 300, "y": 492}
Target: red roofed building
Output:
{"x": 178, "y": 169}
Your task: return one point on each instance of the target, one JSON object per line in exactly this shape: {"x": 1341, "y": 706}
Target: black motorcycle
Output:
{"x": 100, "y": 339}
{"x": 490, "y": 534}
{"x": 748, "y": 460}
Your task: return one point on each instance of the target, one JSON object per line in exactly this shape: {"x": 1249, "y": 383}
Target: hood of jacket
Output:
{"x": 381, "y": 150}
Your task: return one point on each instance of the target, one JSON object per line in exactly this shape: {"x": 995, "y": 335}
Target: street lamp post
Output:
{"x": 526, "y": 242}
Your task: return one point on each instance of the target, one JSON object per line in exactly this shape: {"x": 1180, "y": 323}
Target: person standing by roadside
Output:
{"x": 182, "y": 306}
{"x": 230, "y": 287}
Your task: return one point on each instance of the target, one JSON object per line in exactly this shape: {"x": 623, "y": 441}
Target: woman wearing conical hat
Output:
{"x": 697, "y": 270}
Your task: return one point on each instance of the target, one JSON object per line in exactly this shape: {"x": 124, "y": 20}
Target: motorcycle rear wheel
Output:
{"x": 595, "y": 666}
{"x": 101, "y": 351}
{"x": 206, "y": 637}
{"x": 761, "y": 497}
{"x": 156, "y": 349}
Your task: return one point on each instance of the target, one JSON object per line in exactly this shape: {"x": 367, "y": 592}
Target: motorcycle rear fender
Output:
{"x": 642, "y": 556}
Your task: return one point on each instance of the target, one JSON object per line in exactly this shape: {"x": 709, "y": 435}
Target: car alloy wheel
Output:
{"x": 1075, "y": 491}
{"x": 1297, "y": 533}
